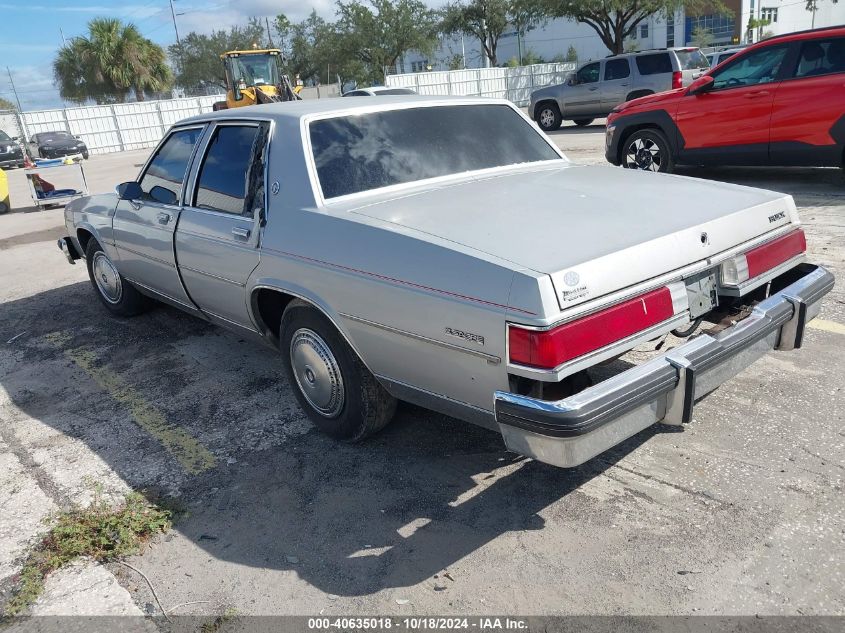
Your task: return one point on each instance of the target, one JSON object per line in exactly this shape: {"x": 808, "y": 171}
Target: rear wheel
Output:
{"x": 647, "y": 150}
{"x": 334, "y": 388}
{"x": 548, "y": 116}
{"x": 583, "y": 122}
{"x": 118, "y": 295}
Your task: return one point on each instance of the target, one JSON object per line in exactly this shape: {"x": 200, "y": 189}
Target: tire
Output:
{"x": 118, "y": 295}
{"x": 648, "y": 150}
{"x": 84, "y": 155}
{"x": 4, "y": 208}
{"x": 334, "y": 388}
{"x": 548, "y": 116}
{"x": 583, "y": 122}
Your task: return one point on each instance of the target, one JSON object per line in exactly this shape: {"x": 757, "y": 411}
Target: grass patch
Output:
{"x": 100, "y": 531}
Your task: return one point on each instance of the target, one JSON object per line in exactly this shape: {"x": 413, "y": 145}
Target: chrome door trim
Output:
{"x": 202, "y": 272}
{"x": 490, "y": 358}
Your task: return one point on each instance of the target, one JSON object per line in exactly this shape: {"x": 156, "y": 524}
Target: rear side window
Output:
{"x": 168, "y": 166}
{"x": 224, "y": 174}
{"x": 821, "y": 57}
{"x": 616, "y": 69}
{"x": 654, "y": 64}
{"x": 692, "y": 59}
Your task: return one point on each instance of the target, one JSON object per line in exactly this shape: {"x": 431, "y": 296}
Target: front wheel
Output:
{"x": 548, "y": 117}
{"x": 583, "y": 122}
{"x": 334, "y": 388}
{"x": 118, "y": 295}
{"x": 647, "y": 150}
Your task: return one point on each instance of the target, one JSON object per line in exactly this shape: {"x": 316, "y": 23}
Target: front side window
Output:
{"x": 4, "y": 136}
{"x": 759, "y": 67}
{"x": 821, "y": 57}
{"x": 589, "y": 74}
{"x": 224, "y": 176}
{"x": 654, "y": 64}
{"x": 361, "y": 152}
{"x": 616, "y": 69}
{"x": 168, "y": 166}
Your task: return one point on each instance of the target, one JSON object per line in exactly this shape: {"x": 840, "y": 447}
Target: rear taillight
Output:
{"x": 547, "y": 349}
{"x": 677, "y": 79}
{"x": 759, "y": 260}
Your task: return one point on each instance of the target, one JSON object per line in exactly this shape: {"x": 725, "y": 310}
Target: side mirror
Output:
{"x": 163, "y": 195}
{"x": 129, "y": 190}
{"x": 701, "y": 85}
{"x": 572, "y": 81}
{"x": 16, "y": 138}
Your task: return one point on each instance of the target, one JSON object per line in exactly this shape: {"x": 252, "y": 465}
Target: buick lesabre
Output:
{"x": 445, "y": 252}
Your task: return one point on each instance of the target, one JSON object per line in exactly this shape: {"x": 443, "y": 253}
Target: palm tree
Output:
{"x": 112, "y": 60}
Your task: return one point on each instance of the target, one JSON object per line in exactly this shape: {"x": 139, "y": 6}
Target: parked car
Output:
{"x": 598, "y": 87}
{"x": 11, "y": 154}
{"x": 717, "y": 57}
{"x": 56, "y": 144}
{"x": 778, "y": 102}
{"x": 443, "y": 251}
{"x": 378, "y": 91}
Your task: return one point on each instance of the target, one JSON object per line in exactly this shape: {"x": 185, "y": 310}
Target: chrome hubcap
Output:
{"x": 547, "y": 118}
{"x": 643, "y": 154}
{"x": 317, "y": 372}
{"x": 107, "y": 278}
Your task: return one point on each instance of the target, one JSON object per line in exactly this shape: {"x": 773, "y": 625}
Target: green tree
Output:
{"x": 5, "y": 104}
{"x": 309, "y": 46}
{"x": 111, "y": 60}
{"x": 198, "y": 60}
{"x": 616, "y": 20}
{"x": 571, "y": 54}
{"x": 487, "y": 20}
{"x": 701, "y": 37}
{"x": 377, "y": 33}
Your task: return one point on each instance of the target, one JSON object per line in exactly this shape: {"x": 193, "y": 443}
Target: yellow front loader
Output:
{"x": 255, "y": 77}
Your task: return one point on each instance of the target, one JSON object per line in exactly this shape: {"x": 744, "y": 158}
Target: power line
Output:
{"x": 12, "y": 82}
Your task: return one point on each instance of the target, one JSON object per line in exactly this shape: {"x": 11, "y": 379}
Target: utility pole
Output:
{"x": 62, "y": 33}
{"x": 178, "y": 41}
{"x": 12, "y": 81}
{"x": 269, "y": 35}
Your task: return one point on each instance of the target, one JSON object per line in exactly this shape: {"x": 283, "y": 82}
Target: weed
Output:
{"x": 100, "y": 531}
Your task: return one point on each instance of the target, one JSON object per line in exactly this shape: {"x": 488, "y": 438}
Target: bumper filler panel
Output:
{"x": 69, "y": 250}
{"x": 571, "y": 431}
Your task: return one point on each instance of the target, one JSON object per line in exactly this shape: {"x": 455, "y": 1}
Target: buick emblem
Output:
{"x": 571, "y": 278}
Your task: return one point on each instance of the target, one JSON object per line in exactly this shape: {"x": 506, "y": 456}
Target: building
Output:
{"x": 552, "y": 40}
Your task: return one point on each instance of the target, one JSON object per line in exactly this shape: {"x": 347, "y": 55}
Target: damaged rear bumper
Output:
{"x": 571, "y": 431}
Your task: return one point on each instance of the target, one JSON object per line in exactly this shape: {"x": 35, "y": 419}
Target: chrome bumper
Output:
{"x": 67, "y": 247}
{"x": 571, "y": 431}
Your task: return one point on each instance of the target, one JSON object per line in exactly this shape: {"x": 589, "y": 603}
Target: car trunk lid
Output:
{"x": 594, "y": 230}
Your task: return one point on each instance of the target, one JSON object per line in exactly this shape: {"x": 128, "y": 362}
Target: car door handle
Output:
{"x": 758, "y": 93}
{"x": 624, "y": 84}
{"x": 163, "y": 218}
{"x": 240, "y": 232}
{"x": 591, "y": 89}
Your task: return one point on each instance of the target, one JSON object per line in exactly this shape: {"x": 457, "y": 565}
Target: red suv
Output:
{"x": 778, "y": 102}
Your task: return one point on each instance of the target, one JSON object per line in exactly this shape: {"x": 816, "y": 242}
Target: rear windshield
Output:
{"x": 692, "y": 59}
{"x": 655, "y": 64}
{"x": 355, "y": 153}
{"x": 395, "y": 91}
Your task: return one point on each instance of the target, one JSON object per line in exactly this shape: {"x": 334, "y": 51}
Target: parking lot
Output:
{"x": 740, "y": 512}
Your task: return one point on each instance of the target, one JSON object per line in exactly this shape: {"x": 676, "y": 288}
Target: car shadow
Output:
{"x": 568, "y": 128}
{"x": 351, "y": 520}
{"x": 810, "y": 186}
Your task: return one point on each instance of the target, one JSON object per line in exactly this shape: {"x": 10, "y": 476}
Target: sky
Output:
{"x": 31, "y": 31}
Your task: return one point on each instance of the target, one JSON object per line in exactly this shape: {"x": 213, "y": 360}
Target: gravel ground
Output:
{"x": 741, "y": 512}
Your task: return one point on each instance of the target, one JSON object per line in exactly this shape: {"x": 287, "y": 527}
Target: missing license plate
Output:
{"x": 701, "y": 294}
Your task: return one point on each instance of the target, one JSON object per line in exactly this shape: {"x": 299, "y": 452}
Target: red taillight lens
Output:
{"x": 776, "y": 252}
{"x": 547, "y": 349}
{"x": 677, "y": 79}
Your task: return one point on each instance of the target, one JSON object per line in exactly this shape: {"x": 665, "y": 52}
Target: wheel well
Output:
{"x": 84, "y": 237}
{"x": 539, "y": 104}
{"x": 268, "y": 306}
{"x": 626, "y": 134}
{"x": 636, "y": 94}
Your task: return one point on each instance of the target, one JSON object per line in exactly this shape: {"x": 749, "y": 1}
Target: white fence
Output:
{"x": 126, "y": 126}
{"x": 515, "y": 84}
